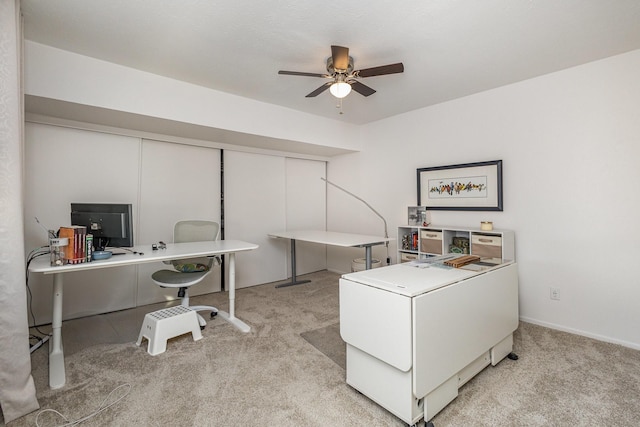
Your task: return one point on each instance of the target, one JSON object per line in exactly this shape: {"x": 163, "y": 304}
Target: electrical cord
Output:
{"x": 103, "y": 406}
{"x": 128, "y": 250}
{"x": 38, "y": 252}
{"x": 35, "y": 253}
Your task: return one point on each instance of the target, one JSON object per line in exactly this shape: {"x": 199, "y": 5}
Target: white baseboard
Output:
{"x": 632, "y": 345}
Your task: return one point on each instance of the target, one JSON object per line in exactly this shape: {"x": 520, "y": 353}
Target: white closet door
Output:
{"x": 69, "y": 165}
{"x": 306, "y": 210}
{"x": 177, "y": 182}
{"x": 254, "y": 205}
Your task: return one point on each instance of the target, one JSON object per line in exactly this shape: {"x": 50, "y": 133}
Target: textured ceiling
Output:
{"x": 450, "y": 48}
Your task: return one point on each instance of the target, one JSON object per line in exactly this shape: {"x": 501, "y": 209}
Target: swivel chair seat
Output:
{"x": 189, "y": 272}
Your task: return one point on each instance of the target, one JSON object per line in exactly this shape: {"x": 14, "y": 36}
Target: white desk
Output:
{"x": 173, "y": 251}
{"x": 333, "y": 238}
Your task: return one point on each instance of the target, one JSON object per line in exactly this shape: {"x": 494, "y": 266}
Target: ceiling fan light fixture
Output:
{"x": 340, "y": 89}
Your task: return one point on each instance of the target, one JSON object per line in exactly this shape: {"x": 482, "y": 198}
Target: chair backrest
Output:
{"x": 195, "y": 231}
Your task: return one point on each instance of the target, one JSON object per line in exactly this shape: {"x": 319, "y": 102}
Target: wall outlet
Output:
{"x": 554, "y": 293}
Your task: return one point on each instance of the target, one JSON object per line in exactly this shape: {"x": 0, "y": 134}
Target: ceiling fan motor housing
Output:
{"x": 331, "y": 70}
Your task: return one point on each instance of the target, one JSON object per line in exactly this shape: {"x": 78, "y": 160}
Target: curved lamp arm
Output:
{"x": 386, "y": 234}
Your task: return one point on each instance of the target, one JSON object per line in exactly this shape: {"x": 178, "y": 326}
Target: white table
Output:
{"x": 332, "y": 238}
{"x": 145, "y": 255}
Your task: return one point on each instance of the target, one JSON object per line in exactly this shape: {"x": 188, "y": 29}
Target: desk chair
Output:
{"x": 188, "y": 272}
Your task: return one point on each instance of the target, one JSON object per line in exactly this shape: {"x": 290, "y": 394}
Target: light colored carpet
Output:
{"x": 288, "y": 371}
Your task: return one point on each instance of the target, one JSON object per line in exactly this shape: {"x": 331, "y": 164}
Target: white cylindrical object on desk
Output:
{"x": 486, "y": 225}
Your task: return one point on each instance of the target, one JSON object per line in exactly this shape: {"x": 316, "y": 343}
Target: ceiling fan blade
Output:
{"x": 340, "y": 57}
{"x": 319, "y": 90}
{"x": 299, "y": 73}
{"x": 363, "y": 90}
{"x": 379, "y": 71}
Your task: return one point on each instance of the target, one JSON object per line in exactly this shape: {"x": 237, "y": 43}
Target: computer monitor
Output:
{"x": 111, "y": 224}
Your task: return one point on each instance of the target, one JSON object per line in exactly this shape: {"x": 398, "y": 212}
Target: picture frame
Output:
{"x": 463, "y": 187}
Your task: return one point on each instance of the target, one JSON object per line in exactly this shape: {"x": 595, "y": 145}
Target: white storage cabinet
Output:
{"x": 416, "y": 242}
{"x": 414, "y": 335}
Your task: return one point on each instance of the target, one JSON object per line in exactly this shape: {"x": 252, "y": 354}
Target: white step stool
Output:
{"x": 161, "y": 325}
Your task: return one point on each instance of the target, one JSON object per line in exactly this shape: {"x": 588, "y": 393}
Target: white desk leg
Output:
{"x": 56, "y": 355}
{"x": 231, "y": 317}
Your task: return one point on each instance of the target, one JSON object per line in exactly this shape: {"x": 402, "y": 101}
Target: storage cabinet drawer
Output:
{"x": 431, "y": 242}
{"x": 405, "y": 257}
{"x": 486, "y": 246}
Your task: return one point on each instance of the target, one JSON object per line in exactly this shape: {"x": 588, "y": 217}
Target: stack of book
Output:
{"x": 77, "y": 251}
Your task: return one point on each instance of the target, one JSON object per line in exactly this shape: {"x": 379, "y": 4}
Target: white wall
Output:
{"x": 570, "y": 142}
{"x": 69, "y": 165}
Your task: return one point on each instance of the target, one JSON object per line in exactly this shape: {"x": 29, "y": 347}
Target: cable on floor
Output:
{"x": 103, "y": 406}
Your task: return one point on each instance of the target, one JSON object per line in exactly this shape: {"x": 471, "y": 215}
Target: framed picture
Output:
{"x": 465, "y": 187}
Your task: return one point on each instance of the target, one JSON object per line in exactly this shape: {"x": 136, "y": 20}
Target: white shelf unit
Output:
{"x": 417, "y": 242}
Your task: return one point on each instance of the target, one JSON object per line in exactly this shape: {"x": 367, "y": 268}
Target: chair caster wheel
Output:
{"x": 214, "y": 314}
{"x": 202, "y": 328}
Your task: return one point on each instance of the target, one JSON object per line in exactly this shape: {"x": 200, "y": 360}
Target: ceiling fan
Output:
{"x": 343, "y": 77}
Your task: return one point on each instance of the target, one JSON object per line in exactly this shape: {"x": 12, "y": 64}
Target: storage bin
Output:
{"x": 486, "y": 246}
{"x": 405, "y": 257}
{"x": 431, "y": 242}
